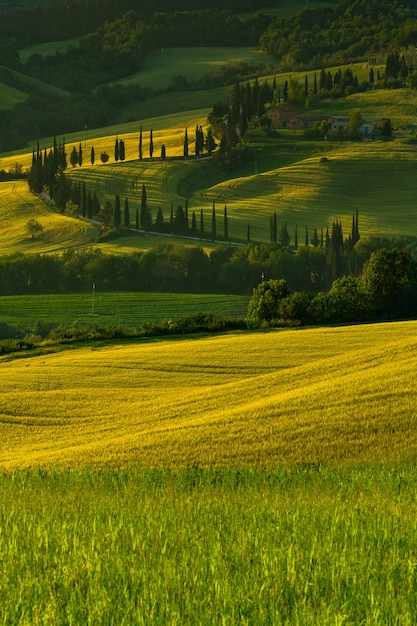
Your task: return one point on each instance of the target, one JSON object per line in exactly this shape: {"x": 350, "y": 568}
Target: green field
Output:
{"x": 9, "y": 96}
{"x": 254, "y": 478}
{"x": 311, "y": 546}
{"x": 47, "y": 48}
{"x": 127, "y": 309}
{"x": 160, "y": 66}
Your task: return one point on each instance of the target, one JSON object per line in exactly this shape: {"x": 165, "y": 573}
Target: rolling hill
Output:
{"x": 338, "y": 396}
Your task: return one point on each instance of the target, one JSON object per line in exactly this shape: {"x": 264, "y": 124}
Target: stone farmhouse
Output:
{"x": 285, "y": 116}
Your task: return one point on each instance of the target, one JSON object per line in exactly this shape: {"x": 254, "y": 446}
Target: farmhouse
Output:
{"x": 281, "y": 116}
{"x": 285, "y": 116}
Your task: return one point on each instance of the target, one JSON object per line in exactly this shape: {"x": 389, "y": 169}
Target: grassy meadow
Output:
{"x": 127, "y": 309}
{"x": 160, "y": 66}
{"x": 306, "y": 547}
{"x": 254, "y": 478}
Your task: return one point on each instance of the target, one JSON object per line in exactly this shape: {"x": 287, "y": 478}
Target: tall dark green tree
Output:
{"x": 74, "y": 156}
{"x": 92, "y": 155}
{"x": 89, "y": 205}
{"x": 80, "y": 155}
{"x": 145, "y": 213}
{"x": 284, "y": 237}
{"x": 117, "y": 218}
{"x": 159, "y": 221}
{"x": 151, "y": 144}
{"x": 140, "y": 148}
{"x": 116, "y": 149}
{"x": 202, "y": 233}
{"x": 193, "y": 225}
{"x": 213, "y": 223}
{"x": 225, "y": 225}
{"x": 127, "y": 216}
{"x": 186, "y": 144}
{"x": 122, "y": 155}
{"x": 179, "y": 221}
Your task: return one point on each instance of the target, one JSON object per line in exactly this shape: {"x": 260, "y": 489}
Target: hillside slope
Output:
{"x": 338, "y": 396}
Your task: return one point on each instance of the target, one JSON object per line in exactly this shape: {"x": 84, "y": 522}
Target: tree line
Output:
{"x": 385, "y": 290}
{"x": 344, "y": 33}
{"x": 168, "y": 267}
{"x": 60, "y": 19}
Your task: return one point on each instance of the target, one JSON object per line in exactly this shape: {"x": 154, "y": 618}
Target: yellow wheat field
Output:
{"x": 338, "y": 396}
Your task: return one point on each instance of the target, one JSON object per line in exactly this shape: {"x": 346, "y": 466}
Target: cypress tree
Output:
{"x": 306, "y": 238}
{"x": 145, "y": 214}
{"x": 163, "y": 152}
{"x": 179, "y": 221}
{"x": 285, "y": 92}
{"x": 96, "y": 205}
{"x": 201, "y": 224}
{"x": 89, "y": 206}
{"x": 187, "y": 223}
{"x": 80, "y": 155}
{"x": 117, "y": 215}
{"x": 74, "y": 157}
{"x": 315, "y": 238}
{"x": 151, "y": 144}
{"x": 92, "y": 156}
{"x": 137, "y": 222}
{"x": 127, "y": 216}
{"x": 194, "y": 225}
{"x": 186, "y": 144}
{"x": 116, "y": 149}
{"x": 213, "y": 222}
{"x": 122, "y": 150}
{"x": 284, "y": 237}
{"x": 248, "y": 233}
{"x": 274, "y": 228}
{"x": 140, "y": 149}
{"x": 226, "y": 225}
{"x": 296, "y": 238}
{"x": 159, "y": 222}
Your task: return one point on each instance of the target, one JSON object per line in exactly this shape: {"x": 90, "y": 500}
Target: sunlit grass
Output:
{"x": 310, "y": 546}
{"x": 337, "y": 396}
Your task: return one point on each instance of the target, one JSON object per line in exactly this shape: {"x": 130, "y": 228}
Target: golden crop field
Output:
{"x": 340, "y": 396}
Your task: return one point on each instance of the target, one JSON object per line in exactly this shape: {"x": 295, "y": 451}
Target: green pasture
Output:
{"x": 126, "y": 309}
{"x": 308, "y": 546}
{"x": 160, "y": 66}
{"x": 48, "y": 48}
{"x": 9, "y": 96}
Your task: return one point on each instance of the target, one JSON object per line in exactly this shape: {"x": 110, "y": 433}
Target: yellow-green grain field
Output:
{"x": 264, "y": 478}
{"x": 339, "y": 396}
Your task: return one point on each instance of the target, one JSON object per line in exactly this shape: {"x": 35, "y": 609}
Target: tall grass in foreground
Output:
{"x": 305, "y": 546}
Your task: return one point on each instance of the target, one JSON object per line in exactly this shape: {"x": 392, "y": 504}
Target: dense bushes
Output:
{"x": 386, "y": 290}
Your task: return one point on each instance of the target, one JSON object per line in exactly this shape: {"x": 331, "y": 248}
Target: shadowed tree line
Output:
{"x": 167, "y": 267}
